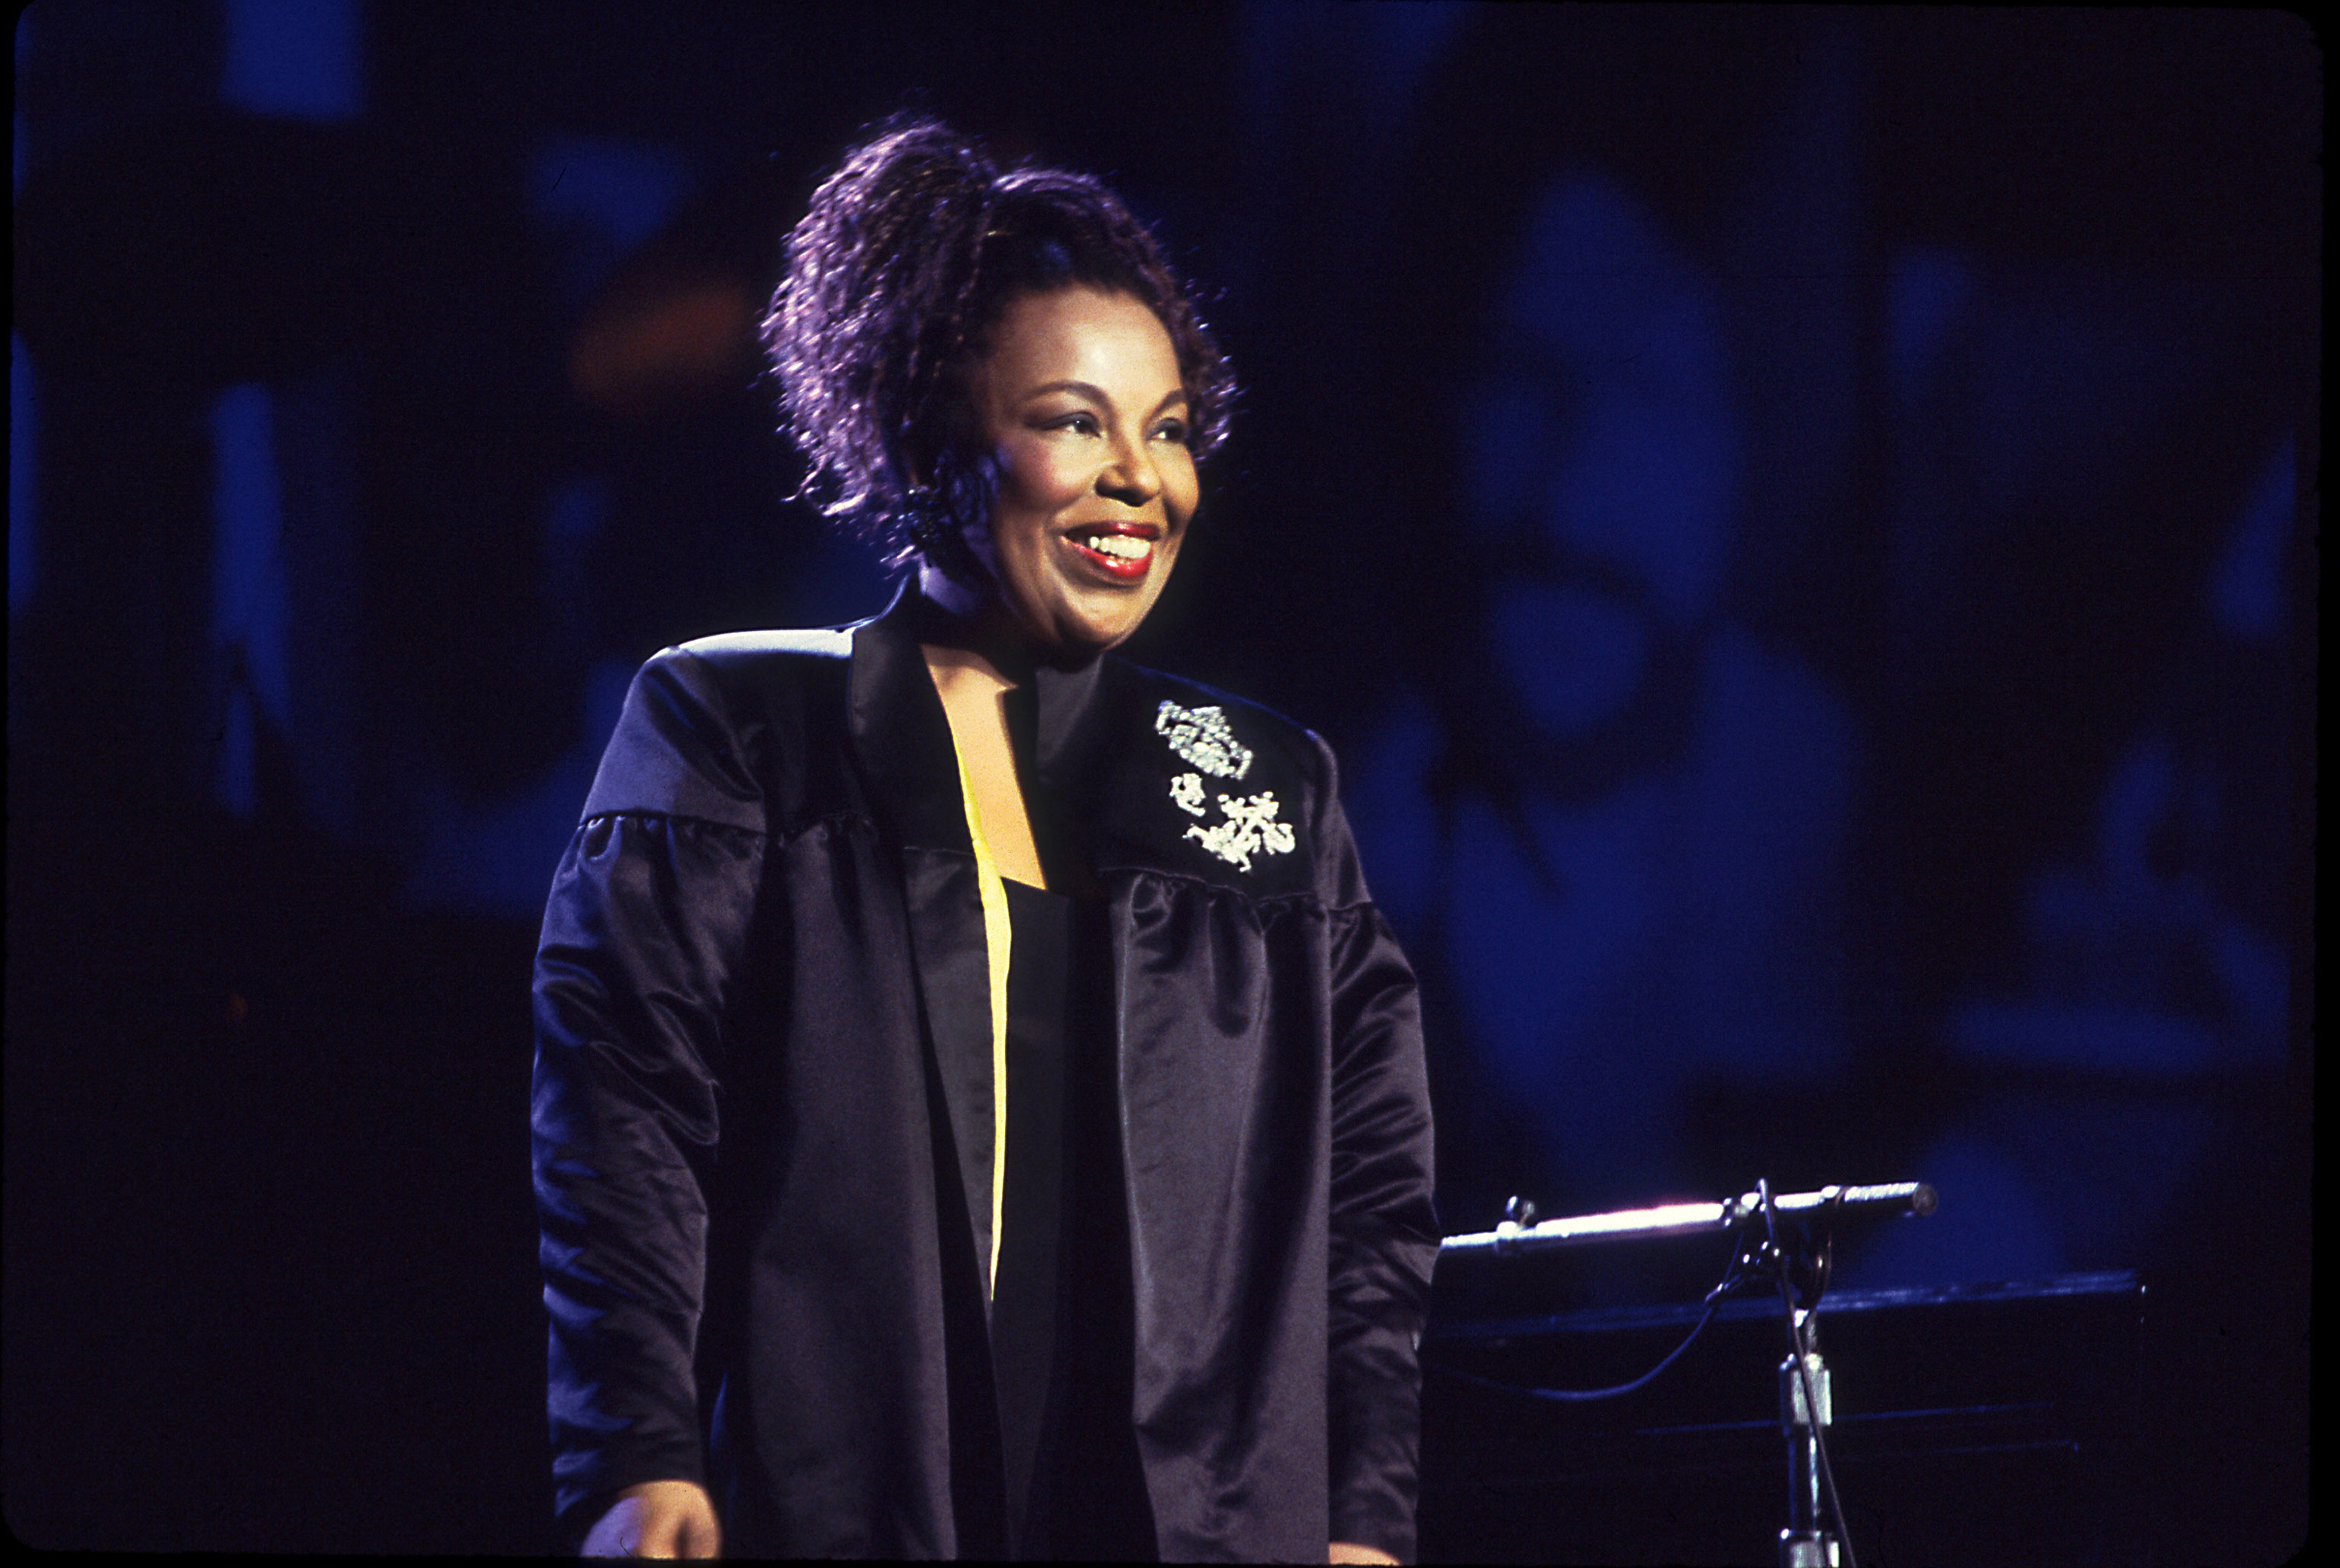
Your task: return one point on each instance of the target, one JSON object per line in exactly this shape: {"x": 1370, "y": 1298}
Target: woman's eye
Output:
{"x": 1172, "y": 430}
{"x": 1081, "y": 423}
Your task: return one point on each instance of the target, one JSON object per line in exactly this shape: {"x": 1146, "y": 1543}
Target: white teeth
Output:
{"x": 1121, "y": 546}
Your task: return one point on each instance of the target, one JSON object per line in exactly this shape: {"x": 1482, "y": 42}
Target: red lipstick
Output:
{"x": 1118, "y": 562}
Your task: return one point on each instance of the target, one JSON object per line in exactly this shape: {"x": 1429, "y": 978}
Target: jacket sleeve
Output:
{"x": 1385, "y": 1229}
{"x": 648, "y": 917}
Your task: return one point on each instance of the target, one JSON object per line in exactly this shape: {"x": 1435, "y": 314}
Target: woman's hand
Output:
{"x": 1350, "y": 1552}
{"x": 658, "y": 1519}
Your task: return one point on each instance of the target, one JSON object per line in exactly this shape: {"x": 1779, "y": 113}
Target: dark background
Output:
{"x": 1798, "y": 523}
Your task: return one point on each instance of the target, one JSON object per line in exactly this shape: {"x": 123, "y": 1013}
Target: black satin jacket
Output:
{"x": 761, "y": 978}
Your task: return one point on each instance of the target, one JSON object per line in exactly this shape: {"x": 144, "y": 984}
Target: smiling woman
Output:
{"x": 1082, "y": 401}
{"x": 1070, "y": 1192}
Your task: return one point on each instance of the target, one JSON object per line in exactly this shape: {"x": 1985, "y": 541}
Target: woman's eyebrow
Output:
{"x": 1082, "y": 389}
{"x": 1096, "y": 394}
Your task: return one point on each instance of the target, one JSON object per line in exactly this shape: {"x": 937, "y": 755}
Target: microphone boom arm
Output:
{"x": 1908, "y": 1197}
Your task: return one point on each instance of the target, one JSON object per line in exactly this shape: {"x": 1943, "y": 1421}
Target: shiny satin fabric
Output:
{"x": 760, "y": 986}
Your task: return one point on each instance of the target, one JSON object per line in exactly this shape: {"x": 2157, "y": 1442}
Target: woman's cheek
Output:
{"x": 1061, "y": 481}
{"x": 1033, "y": 476}
{"x": 1190, "y": 485}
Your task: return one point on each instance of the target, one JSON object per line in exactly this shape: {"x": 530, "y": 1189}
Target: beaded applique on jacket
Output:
{"x": 1202, "y": 739}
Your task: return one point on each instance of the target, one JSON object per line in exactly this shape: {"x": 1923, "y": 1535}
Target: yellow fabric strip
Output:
{"x": 995, "y": 937}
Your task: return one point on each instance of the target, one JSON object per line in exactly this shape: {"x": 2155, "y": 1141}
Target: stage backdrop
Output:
{"x": 1796, "y": 523}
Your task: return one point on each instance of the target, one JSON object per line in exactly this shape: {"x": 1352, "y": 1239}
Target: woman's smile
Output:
{"x": 1122, "y": 551}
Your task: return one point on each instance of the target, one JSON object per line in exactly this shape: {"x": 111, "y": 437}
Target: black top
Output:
{"x": 1061, "y": 1334}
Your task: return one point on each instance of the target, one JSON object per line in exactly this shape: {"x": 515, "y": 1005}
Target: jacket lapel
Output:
{"x": 902, "y": 743}
{"x": 1056, "y": 725}
{"x": 901, "y": 737}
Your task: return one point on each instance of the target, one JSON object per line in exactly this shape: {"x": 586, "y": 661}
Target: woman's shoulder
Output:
{"x": 722, "y": 728}
{"x": 771, "y": 650}
{"x": 742, "y": 672}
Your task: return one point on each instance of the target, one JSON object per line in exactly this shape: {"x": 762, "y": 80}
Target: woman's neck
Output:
{"x": 968, "y": 625}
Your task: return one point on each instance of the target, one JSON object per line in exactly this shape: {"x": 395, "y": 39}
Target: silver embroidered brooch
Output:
{"x": 1201, "y": 739}
{"x": 1250, "y": 828}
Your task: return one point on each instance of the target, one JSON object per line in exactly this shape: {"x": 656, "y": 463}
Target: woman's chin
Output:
{"x": 1080, "y": 625}
{"x": 1093, "y": 633}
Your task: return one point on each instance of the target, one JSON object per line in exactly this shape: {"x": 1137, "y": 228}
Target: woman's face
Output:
{"x": 1081, "y": 404}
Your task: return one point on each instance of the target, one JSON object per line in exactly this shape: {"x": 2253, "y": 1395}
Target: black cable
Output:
{"x": 1714, "y": 1299}
{"x": 1574, "y": 1396}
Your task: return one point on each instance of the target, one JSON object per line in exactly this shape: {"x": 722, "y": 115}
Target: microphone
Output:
{"x": 1519, "y": 1233}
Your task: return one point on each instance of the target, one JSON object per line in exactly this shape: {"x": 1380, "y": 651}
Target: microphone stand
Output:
{"x": 1794, "y": 1251}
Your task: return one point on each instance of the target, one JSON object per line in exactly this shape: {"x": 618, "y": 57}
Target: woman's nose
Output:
{"x": 1129, "y": 476}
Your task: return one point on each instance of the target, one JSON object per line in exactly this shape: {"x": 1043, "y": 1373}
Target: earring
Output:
{"x": 934, "y": 534}
{"x": 927, "y": 521}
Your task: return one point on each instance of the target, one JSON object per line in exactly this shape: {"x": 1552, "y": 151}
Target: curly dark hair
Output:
{"x": 910, "y": 254}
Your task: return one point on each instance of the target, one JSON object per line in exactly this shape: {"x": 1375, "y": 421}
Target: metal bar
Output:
{"x": 1689, "y": 1218}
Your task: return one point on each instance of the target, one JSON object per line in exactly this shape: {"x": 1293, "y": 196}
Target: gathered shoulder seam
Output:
{"x": 1256, "y": 900}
